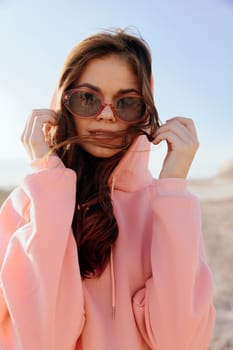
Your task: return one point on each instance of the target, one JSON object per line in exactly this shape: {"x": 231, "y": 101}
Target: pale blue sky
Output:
{"x": 192, "y": 49}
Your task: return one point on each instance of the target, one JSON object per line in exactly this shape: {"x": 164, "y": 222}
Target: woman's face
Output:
{"x": 109, "y": 76}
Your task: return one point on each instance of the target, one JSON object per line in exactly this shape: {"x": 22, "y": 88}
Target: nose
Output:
{"x": 106, "y": 114}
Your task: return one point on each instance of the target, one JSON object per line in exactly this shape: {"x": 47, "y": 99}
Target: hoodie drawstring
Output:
{"x": 113, "y": 282}
{"x": 113, "y": 286}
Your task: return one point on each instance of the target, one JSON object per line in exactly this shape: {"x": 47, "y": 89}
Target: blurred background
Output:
{"x": 192, "y": 50}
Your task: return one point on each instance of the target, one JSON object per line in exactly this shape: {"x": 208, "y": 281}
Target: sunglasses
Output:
{"x": 86, "y": 103}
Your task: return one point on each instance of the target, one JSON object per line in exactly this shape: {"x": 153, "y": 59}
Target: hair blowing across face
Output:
{"x": 94, "y": 225}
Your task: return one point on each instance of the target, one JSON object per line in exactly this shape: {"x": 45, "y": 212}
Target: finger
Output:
{"x": 45, "y": 116}
{"x": 45, "y": 111}
{"x": 177, "y": 128}
{"x": 30, "y": 121}
{"x": 36, "y": 134}
{"x": 175, "y": 143}
{"x": 170, "y": 138}
{"x": 33, "y": 132}
{"x": 187, "y": 122}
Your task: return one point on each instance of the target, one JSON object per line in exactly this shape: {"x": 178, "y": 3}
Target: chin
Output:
{"x": 100, "y": 152}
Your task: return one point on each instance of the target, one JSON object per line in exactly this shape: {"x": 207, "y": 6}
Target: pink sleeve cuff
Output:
{"x": 171, "y": 186}
{"x": 47, "y": 162}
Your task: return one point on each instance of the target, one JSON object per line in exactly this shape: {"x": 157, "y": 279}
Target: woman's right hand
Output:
{"x": 35, "y": 136}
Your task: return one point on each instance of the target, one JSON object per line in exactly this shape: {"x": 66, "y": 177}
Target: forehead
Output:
{"x": 110, "y": 73}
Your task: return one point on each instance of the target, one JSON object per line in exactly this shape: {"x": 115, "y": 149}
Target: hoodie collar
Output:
{"x": 132, "y": 173}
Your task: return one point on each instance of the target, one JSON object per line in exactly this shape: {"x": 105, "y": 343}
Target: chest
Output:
{"x": 132, "y": 251}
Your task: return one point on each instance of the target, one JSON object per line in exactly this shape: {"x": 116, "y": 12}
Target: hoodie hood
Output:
{"x": 132, "y": 173}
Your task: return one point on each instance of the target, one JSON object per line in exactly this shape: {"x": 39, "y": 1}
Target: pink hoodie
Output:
{"x": 156, "y": 292}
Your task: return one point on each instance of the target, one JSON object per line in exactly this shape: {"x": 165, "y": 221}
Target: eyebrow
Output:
{"x": 90, "y": 86}
{"x": 97, "y": 89}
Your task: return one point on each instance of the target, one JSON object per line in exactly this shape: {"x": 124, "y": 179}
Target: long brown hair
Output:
{"x": 94, "y": 225}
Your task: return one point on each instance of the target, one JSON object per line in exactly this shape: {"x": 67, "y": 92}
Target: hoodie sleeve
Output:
{"x": 175, "y": 308}
{"x": 41, "y": 299}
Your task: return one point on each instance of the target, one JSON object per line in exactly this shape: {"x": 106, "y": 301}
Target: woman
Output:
{"x": 95, "y": 253}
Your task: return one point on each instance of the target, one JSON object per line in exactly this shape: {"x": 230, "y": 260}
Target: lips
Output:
{"x": 101, "y": 134}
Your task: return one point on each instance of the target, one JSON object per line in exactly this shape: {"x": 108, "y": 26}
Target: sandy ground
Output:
{"x": 216, "y": 197}
{"x": 3, "y": 195}
{"x": 218, "y": 234}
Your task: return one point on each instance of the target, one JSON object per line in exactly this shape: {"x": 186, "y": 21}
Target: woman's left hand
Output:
{"x": 182, "y": 144}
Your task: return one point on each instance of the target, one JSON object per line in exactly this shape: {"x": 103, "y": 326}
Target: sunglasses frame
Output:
{"x": 68, "y": 93}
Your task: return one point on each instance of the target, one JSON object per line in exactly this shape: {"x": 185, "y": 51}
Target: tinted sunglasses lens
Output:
{"x": 130, "y": 108}
{"x": 84, "y": 103}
